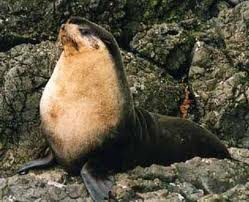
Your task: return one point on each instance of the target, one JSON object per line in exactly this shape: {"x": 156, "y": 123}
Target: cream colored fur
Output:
{"x": 82, "y": 101}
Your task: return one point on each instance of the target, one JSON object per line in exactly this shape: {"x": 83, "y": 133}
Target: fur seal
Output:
{"x": 91, "y": 124}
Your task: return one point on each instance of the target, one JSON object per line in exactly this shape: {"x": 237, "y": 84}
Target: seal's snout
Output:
{"x": 69, "y": 36}
{"x": 65, "y": 34}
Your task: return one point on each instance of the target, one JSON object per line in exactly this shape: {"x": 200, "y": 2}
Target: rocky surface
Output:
{"x": 36, "y": 20}
{"x": 196, "y": 179}
{"x": 163, "y": 44}
{"x": 26, "y": 22}
{"x": 219, "y": 75}
{"x": 190, "y": 55}
{"x": 25, "y": 70}
{"x": 150, "y": 87}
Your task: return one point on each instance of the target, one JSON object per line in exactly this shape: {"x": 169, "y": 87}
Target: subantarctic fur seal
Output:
{"x": 90, "y": 122}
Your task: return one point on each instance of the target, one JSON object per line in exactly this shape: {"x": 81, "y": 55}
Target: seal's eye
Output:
{"x": 84, "y": 31}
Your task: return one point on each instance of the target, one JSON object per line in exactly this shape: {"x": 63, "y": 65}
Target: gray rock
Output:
{"x": 194, "y": 180}
{"x": 235, "y": 2}
{"x": 25, "y": 22}
{"x": 151, "y": 87}
{"x": 37, "y": 20}
{"x": 219, "y": 76}
{"x": 26, "y": 69}
{"x": 26, "y": 74}
{"x": 162, "y": 44}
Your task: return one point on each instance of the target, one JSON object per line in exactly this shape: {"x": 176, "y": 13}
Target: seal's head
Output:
{"x": 78, "y": 38}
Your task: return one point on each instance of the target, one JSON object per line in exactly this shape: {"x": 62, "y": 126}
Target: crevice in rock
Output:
{"x": 7, "y": 43}
{"x": 180, "y": 75}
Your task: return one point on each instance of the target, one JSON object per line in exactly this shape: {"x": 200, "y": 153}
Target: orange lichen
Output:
{"x": 185, "y": 104}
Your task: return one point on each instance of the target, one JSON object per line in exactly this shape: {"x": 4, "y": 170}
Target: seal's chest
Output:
{"x": 81, "y": 102}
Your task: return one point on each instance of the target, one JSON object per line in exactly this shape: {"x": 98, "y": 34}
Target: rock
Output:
{"x": 237, "y": 193}
{"x": 219, "y": 76}
{"x": 151, "y": 87}
{"x": 34, "y": 187}
{"x": 37, "y": 20}
{"x": 26, "y": 70}
{"x": 235, "y": 2}
{"x": 194, "y": 180}
{"x": 25, "y": 22}
{"x": 162, "y": 44}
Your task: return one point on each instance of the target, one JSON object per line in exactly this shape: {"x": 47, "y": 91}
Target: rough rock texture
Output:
{"x": 196, "y": 179}
{"x": 25, "y": 70}
{"x": 150, "y": 87}
{"x": 36, "y": 20}
{"x": 167, "y": 45}
{"x": 219, "y": 75}
{"x": 190, "y": 55}
{"x": 25, "y": 21}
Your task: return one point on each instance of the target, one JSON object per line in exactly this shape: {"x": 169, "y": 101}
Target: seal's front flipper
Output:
{"x": 98, "y": 185}
{"x": 39, "y": 163}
